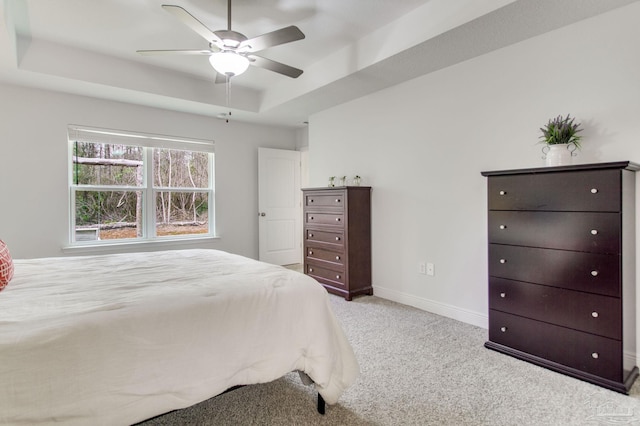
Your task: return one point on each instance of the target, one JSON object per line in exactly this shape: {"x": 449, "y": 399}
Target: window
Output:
{"x": 134, "y": 187}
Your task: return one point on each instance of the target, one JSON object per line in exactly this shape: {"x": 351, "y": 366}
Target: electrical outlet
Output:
{"x": 431, "y": 270}
{"x": 422, "y": 268}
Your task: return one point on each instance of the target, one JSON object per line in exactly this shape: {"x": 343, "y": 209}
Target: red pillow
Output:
{"x": 6, "y": 265}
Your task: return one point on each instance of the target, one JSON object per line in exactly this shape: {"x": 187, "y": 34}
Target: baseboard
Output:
{"x": 629, "y": 358}
{"x": 439, "y": 308}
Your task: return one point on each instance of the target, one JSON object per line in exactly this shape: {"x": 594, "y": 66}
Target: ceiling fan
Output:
{"x": 230, "y": 52}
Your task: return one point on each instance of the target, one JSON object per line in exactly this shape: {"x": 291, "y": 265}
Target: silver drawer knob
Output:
{"x": 503, "y": 260}
{"x": 310, "y": 269}
{"x": 595, "y": 355}
{"x": 311, "y": 200}
{"x": 337, "y": 219}
{"x": 503, "y": 192}
{"x": 594, "y": 314}
{"x": 594, "y": 273}
{"x": 337, "y": 238}
{"x": 337, "y": 200}
{"x": 337, "y": 277}
{"x": 503, "y": 226}
{"x": 503, "y": 295}
{"x": 311, "y": 218}
{"x": 594, "y": 232}
{"x": 594, "y": 190}
{"x": 310, "y": 251}
{"x": 310, "y": 235}
{"x": 503, "y": 329}
{"x": 337, "y": 257}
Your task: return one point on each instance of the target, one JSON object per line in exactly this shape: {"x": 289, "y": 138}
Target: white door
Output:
{"x": 280, "y": 228}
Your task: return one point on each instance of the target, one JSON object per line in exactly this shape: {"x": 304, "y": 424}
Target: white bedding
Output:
{"x": 116, "y": 339}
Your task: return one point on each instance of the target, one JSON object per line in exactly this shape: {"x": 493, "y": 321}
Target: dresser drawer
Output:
{"x": 590, "y": 272}
{"x": 587, "y": 352}
{"x": 333, "y": 238}
{"x": 332, "y": 200}
{"x": 593, "y": 190}
{"x": 586, "y": 312}
{"x": 316, "y": 218}
{"x": 581, "y": 231}
{"x": 326, "y": 275}
{"x": 313, "y": 252}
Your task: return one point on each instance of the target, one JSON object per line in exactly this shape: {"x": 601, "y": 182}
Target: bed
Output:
{"x": 117, "y": 339}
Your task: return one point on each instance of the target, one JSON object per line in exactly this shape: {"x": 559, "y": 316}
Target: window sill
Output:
{"x": 128, "y": 246}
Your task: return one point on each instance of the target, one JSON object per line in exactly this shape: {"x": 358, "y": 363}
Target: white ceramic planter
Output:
{"x": 559, "y": 154}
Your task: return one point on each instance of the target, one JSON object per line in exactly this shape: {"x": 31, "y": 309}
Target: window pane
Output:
{"x": 182, "y": 213}
{"x": 107, "y": 164}
{"x": 108, "y": 215}
{"x": 180, "y": 169}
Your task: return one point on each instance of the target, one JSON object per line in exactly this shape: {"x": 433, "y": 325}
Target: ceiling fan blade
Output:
{"x": 274, "y": 66}
{"x": 274, "y": 38}
{"x": 192, "y": 22}
{"x": 205, "y": 52}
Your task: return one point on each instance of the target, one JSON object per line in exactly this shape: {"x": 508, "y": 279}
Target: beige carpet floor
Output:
{"x": 420, "y": 369}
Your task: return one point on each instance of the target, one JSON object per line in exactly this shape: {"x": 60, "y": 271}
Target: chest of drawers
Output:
{"x": 562, "y": 269}
{"x": 337, "y": 238}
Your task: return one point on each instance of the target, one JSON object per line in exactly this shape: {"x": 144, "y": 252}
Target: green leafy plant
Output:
{"x": 561, "y": 130}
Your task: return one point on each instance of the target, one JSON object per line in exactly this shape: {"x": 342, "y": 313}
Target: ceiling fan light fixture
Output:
{"x": 229, "y": 63}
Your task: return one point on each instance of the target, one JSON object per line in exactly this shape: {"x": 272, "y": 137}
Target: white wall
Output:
{"x": 421, "y": 145}
{"x": 34, "y": 166}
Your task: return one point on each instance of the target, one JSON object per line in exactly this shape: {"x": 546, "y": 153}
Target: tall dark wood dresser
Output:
{"x": 562, "y": 269}
{"x": 337, "y": 238}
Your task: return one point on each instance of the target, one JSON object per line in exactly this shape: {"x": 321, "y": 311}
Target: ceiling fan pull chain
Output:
{"x": 229, "y": 15}
{"x": 228, "y": 87}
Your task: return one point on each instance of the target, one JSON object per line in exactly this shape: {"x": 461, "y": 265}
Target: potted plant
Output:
{"x": 558, "y": 136}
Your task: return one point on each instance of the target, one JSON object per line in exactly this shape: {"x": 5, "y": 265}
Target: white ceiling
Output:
{"x": 352, "y": 48}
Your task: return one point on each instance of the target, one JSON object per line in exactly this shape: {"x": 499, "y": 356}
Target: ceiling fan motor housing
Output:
{"x": 230, "y": 38}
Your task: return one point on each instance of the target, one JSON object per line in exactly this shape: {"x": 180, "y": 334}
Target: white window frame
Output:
{"x": 148, "y": 142}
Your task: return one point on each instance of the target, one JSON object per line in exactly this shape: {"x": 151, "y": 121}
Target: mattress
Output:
{"x": 116, "y": 339}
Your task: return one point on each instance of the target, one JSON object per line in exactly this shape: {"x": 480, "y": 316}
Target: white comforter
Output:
{"x": 116, "y": 339}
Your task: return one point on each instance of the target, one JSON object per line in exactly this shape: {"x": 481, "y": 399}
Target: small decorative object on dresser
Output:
{"x": 562, "y": 269}
{"x": 561, "y": 140}
{"x": 337, "y": 239}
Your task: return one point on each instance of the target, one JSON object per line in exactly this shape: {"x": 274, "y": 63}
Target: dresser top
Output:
{"x": 329, "y": 188}
{"x": 628, "y": 165}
